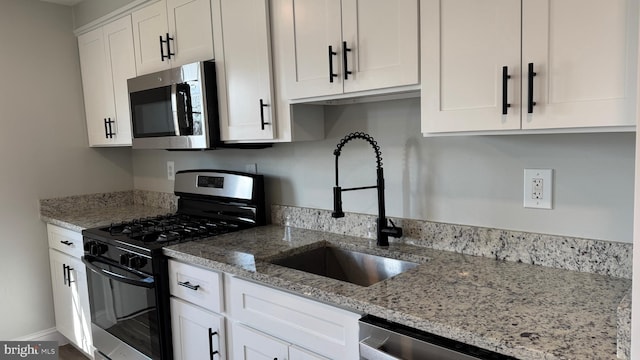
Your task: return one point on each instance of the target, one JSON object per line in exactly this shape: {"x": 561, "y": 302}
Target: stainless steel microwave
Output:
{"x": 175, "y": 108}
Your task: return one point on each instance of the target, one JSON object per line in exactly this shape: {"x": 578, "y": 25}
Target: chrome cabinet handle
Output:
{"x": 188, "y": 285}
{"x": 505, "y": 80}
{"x": 345, "y": 50}
{"x": 530, "y": 102}
{"x": 331, "y": 54}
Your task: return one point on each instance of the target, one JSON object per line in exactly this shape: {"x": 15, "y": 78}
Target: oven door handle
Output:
{"x": 88, "y": 260}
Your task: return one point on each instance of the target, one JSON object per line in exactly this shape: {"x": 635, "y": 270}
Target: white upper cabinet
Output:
{"x": 249, "y": 113}
{"x": 381, "y": 44}
{"x": 466, "y": 44}
{"x": 583, "y": 54}
{"x": 333, "y": 47}
{"x": 107, "y": 60}
{"x": 476, "y": 56}
{"x": 172, "y": 33}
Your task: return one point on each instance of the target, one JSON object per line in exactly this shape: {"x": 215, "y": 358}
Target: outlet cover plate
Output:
{"x": 538, "y": 188}
{"x": 171, "y": 171}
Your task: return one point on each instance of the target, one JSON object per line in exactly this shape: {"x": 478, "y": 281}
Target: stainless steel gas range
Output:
{"x": 128, "y": 277}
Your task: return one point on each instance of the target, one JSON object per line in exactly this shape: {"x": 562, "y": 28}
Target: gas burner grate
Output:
{"x": 170, "y": 228}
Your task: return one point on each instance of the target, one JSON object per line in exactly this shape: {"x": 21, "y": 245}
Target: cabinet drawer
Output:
{"x": 323, "y": 329}
{"x": 196, "y": 285}
{"x": 65, "y": 240}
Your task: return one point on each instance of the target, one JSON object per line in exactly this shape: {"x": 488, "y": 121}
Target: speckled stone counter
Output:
{"x": 522, "y": 310}
{"x": 526, "y": 311}
{"x": 86, "y": 211}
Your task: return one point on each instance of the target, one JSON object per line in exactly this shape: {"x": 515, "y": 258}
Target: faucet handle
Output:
{"x": 392, "y": 231}
{"x": 337, "y": 202}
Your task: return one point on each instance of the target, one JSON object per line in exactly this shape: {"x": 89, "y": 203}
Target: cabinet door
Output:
{"x": 382, "y": 36}
{"x": 465, "y": 45}
{"x": 98, "y": 98}
{"x": 71, "y": 299}
{"x": 196, "y": 333}
{"x": 249, "y": 344}
{"x": 121, "y": 65}
{"x": 247, "y": 66}
{"x": 296, "y": 353}
{"x": 583, "y": 53}
{"x": 190, "y": 27}
{"x": 310, "y": 27}
{"x": 149, "y": 25}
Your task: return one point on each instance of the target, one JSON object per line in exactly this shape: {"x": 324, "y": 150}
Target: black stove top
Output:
{"x": 211, "y": 203}
{"x": 167, "y": 229}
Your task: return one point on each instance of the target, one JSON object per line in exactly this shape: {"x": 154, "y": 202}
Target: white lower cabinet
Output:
{"x": 250, "y": 344}
{"x": 197, "y": 329}
{"x": 197, "y": 333}
{"x": 305, "y": 329}
{"x": 70, "y": 289}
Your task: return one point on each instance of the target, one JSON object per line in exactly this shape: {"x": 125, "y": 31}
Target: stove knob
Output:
{"x": 124, "y": 259}
{"x": 132, "y": 261}
{"x": 95, "y": 248}
{"x": 137, "y": 262}
{"x": 87, "y": 245}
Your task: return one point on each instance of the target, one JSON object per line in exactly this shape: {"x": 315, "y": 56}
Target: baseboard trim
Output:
{"x": 45, "y": 335}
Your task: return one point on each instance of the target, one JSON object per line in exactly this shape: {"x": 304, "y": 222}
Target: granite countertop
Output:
{"x": 88, "y": 211}
{"x": 526, "y": 311}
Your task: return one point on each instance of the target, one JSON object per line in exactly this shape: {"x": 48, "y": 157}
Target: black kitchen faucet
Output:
{"x": 383, "y": 231}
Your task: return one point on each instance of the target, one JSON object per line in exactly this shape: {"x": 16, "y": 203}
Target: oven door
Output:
{"x": 124, "y": 312}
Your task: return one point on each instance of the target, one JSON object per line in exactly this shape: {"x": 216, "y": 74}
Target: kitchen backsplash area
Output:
{"x": 585, "y": 255}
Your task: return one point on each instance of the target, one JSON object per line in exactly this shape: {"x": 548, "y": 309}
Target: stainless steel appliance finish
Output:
{"x": 346, "y": 265}
{"x": 128, "y": 274}
{"x": 175, "y": 108}
{"x": 385, "y": 340}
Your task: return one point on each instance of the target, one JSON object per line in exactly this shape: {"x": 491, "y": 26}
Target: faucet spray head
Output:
{"x": 337, "y": 202}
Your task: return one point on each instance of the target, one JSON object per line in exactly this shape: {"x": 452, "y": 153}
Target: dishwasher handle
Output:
{"x": 370, "y": 350}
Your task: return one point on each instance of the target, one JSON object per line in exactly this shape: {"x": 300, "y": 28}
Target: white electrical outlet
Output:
{"x": 538, "y": 188}
{"x": 171, "y": 170}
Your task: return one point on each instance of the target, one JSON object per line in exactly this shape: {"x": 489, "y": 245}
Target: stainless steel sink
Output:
{"x": 346, "y": 265}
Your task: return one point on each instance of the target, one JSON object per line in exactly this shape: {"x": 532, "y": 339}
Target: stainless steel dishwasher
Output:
{"x": 385, "y": 340}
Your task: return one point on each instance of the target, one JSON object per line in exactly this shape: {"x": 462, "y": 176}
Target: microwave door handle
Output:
{"x": 174, "y": 108}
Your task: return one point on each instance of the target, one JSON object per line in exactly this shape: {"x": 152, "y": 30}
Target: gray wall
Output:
{"x": 90, "y": 10}
{"x": 44, "y": 153}
{"x": 464, "y": 180}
